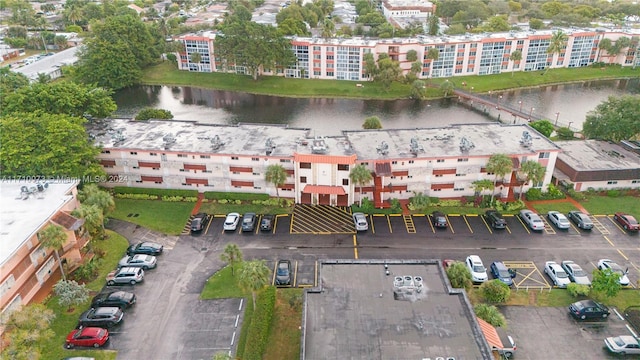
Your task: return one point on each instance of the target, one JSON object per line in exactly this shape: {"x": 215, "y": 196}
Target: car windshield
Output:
{"x": 632, "y": 220}
{"x": 504, "y": 273}
{"x": 230, "y": 220}
{"x": 247, "y": 220}
{"x": 578, "y": 305}
{"x": 478, "y": 268}
{"x": 561, "y": 274}
{"x": 618, "y": 341}
{"x": 579, "y": 272}
{"x": 282, "y": 270}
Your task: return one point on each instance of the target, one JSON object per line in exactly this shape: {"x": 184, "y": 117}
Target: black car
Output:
{"x": 439, "y": 219}
{"x": 495, "y": 219}
{"x": 103, "y": 317}
{"x": 121, "y": 299}
{"x": 283, "y": 272}
{"x": 266, "y": 224}
{"x": 588, "y": 309}
{"x": 199, "y": 222}
{"x": 248, "y": 222}
{"x": 147, "y": 247}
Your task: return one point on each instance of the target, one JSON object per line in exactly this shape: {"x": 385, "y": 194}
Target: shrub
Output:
{"x": 495, "y": 291}
{"x": 396, "y": 207}
{"x": 258, "y": 334}
{"x": 150, "y": 113}
{"x": 578, "y": 289}
{"x": 613, "y": 193}
{"x": 490, "y": 314}
{"x": 136, "y": 196}
{"x": 459, "y": 276}
{"x": 87, "y": 271}
{"x": 366, "y": 207}
{"x": 157, "y": 192}
{"x": 419, "y": 201}
{"x": 534, "y": 194}
{"x": 564, "y": 133}
{"x": 210, "y": 195}
{"x": 576, "y": 195}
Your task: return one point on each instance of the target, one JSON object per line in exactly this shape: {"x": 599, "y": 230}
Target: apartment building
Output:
{"x": 28, "y": 270}
{"x": 440, "y": 162}
{"x": 471, "y": 54}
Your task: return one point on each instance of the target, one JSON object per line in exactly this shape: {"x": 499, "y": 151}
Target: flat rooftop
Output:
{"x": 20, "y": 219}
{"x": 597, "y": 155}
{"x": 445, "y": 142}
{"x": 50, "y": 63}
{"x": 354, "y": 315}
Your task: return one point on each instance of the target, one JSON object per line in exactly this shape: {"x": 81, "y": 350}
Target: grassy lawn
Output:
{"x": 285, "y": 332}
{"x": 605, "y": 205}
{"x": 165, "y": 217}
{"x": 166, "y": 73}
{"x": 563, "y": 207}
{"x": 218, "y": 209}
{"x": 223, "y": 284}
{"x": 65, "y": 321}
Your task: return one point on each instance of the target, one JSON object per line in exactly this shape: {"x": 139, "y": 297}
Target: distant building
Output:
{"x": 7, "y": 52}
{"x": 28, "y": 270}
{"x": 439, "y": 162}
{"x": 50, "y": 65}
{"x": 404, "y": 12}
{"x": 597, "y": 164}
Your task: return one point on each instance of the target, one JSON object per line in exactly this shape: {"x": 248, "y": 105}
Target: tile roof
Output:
{"x": 324, "y": 189}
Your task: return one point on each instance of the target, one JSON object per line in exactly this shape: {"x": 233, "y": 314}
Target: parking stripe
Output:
{"x": 469, "y": 226}
{"x": 450, "y": 224}
{"x": 389, "y": 222}
{"x": 623, "y": 255}
{"x": 355, "y": 246}
{"x": 373, "y": 228}
{"x": 523, "y": 225}
{"x": 486, "y": 224}
{"x": 616, "y": 224}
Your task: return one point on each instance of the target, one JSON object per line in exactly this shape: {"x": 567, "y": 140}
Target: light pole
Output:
{"x": 569, "y": 126}
{"x": 557, "y": 115}
{"x": 531, "y": 112}
{"x": 498, "y": 105}
{"x": 520, "y": 102}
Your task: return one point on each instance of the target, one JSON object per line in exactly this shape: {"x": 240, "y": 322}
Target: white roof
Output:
{"x": 21, "y": 219}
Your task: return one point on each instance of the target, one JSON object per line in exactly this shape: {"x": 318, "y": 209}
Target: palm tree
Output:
{"x": 53, "y": 237}
{"x": 515, "y": 56}
{"x": 481, "y": 185}
{"x": 328, "y": 28}
{"x": 530, "y": 170}
{"x": 557, "y": 44}
{"x": 93, "y": 219}
{"x": 617, "y": 48}
{"x": 196, "y": 58}
{"x": 433, "y": 55}
{"x": 360, "y": 175}
{"x": 635, "y": 41}
{"x": 253, "y": 276}
{"x": 500, "y": 165}
{"x": 231, "y": 255}
{"x": 447, "y": 87}
{"x": 604, "y": 44}
{"x": 276, "y": 175}
{"x": 91, "y": 194}
{"x": 74, "y": 14}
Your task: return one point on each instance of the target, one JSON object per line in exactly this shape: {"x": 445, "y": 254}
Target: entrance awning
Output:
{"x": 324, "y": 189}
{"x": 491, "y": 334}
{"x": 383, "y": 169}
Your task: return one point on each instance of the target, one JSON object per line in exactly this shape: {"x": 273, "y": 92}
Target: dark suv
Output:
{"x": 495, "y": 219}
{"x": 101, "y": 317}
{"x": 248, "y": 222}
{"x": 199, "y": 222}
{"x": 439, "y": 219}
{"x": 283, "y": 273}
{"x": 266, "y": 224}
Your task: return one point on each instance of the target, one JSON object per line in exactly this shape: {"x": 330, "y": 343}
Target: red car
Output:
{"x": 627, "y": 221}
{"x": 87, "y": 336}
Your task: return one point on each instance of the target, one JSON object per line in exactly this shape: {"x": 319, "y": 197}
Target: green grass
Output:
{"x": 245, "y": 207}
{"x": 605, "y": 205}
{"x": 223, "y": 285}
{"x": 165, "y": 217}
{"x": 65, "y": 321}
{"x": 166, "y": 73}
{"x": 563, "y": 207}
{"x": 285, "y": 333}
{"x": 561, "y": 298}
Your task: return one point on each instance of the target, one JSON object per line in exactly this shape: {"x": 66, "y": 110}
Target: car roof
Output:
{"x": 500, "y": 265}
{"x": 90, "y": 330}
{"x": 474, "y": 258}
{"x": 106, "y": 310}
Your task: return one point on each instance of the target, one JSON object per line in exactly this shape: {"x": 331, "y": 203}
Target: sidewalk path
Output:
{"x": 573, "y": 202}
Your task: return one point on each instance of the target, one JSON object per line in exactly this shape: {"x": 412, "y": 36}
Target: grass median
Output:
{"x": 165, "y": 217}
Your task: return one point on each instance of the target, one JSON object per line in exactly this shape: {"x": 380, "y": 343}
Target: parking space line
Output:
{"x": 206, "y": 229}
{"x": 315, "y": 275}
{"x": 449, "y": 221}
{"x": 548, "y": 228}
{"x": 408, "y": 223}
{"x": 259, "y": 221}
{"x": 623, "y": 255}
{"x": 373, "y": 228}
{"x": 291, "y": 223}
{"x": 634, "y": 265}
{"x": 469, "y": 226}
{"x": 431, "y": 224}
{"x": 275, "y": 268}
{"x": 486, "y": 224}
{"x": 616, "y": 224}
{"x": 598, "y": 225}
{"x": 523, "y": 224}
{"x": 389, "y": 222}
{"x": 275, "y": 223}
{"x": 610, "y": 242}
{"x": 295, "y": 274}
{"x": 355, "y": 246}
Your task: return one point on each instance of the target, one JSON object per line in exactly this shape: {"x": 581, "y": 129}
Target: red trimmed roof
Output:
{"x": 323, "y": 189}
{"x": 491, "y": 334}
{"x": 324, "y": 159}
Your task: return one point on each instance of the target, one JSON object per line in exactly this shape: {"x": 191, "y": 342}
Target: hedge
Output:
{"x": 157, "y": 192}
{"x": 258, "y": 334}
{"x": 210, "y": 195}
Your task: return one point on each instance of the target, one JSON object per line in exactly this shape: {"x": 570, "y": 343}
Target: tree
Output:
{"x": 490, "y": 314}
{"x": 434, "y": 25}
{"x": 151, "y": 113}
{"x": 53, "y": 237}
{"x": 360, "y": 176}
{"x": 232, "y": 255}
{"x": 196, "y": 58}
{"x": 516, "y": 57}
{"x": 530, "y": 170}
{"x": 544, "y": 127}
{"x": 606, "y": 283}
{"x": 47, "y": 145}
{"x": 60, "y": 97}
{"x": 388, "y": 72}
{"x": 276, "y": 175}
{"x": 536, "y": 24}
{"x": 557, "y": 44}
{"x": 447, "y": 88}
{"x": 328, "y": 28}
{"x": 25, "y": 329}
{"x": 93, "y": 219}
{"x": 372, "y": 122}
{"x": 91, "y": 195}
{"x": 495, "y": 291}
{"x": 614, "y": 119}
{"x": 115, "y": 52}
{"x": 70, "y": 293}
{"x": 10, "y": 81}
{"x": 459, "y": 276}
{"x": 606, "y": 45}
{"x": 481, "y": 185}
{"x": 253, "y": 276}
{"x": 418, "y": 89}
{"x": 370, "y": 66}
{"x": 617, "y": 48}
{"x": 412, "y": 55}
{"x": 500, "y": 165}
{"x": 496, "y": 24}
{"x": 432, "y": 55}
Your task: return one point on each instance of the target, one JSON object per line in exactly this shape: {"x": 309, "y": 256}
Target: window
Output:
{"x": 153, "y": 154}
{"x": 255, "y": 159}
{"x": 364, "y": 164}
{"x": 205, "y": 157}
{"x": 136, "y": 167}
{"x": 461, "y": 174}
{"x": 440, "y": 160}
{"x": 257, "y": 187}
{"x": 635, "y": 181}
{"x": 6, "y": 285}
{"x": 343, "y": 167}
{"x": 345, "y": 182}
{"x": 106, "y": 152}
{"x": 182, "y": 155}
{"x": 303, "y": 179}
{"x": 329, "y": 73}
{"x": 611, "y": 182}
{"x": 458, "y": 189}
{"x": 285, "y": 160}
{"x": 438, "y": 175}
{"x": 436, "y": 189}
{"x": 255, "y": 173}
{"x": 305, "y": 165}
{"x": 133, "y": 153}
{"x": 411, "y": 161}
{"x": 543, "y": 155}
{"x": 234, "y": 158}
{"x": 45, "y": 270}
{"x": 38, "y": 255}
{"x": 463, "y": 159}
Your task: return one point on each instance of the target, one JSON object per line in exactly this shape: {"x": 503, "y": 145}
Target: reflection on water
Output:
{"x": 569, "y": 103}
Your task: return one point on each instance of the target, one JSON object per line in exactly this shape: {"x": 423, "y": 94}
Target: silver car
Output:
{"x": 557, "y": 274}
{"x": 360, "y": 221}
{"x": 533, "y": 220}
{"x": 624, "y": 344}
{"x": 139, "y": 260}
{"x": 581, "y": 219}
{"x": 575, "y": 272}
{"x": 558, "y": 219}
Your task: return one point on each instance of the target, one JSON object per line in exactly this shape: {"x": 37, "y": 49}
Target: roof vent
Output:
{"x": 415, "y": 146}
{"x": 526, "y": 140}
{"x": 168, "y": 140}
{"x": 466, "y": 145}
{"x": 117, "y": 137}
{"x": 216, "y": 143}
{"x": 36, "y": 189}
{"x": 319, "y": 146}
{"x": 270, "y": 145}
{"x": 383, "y": 148}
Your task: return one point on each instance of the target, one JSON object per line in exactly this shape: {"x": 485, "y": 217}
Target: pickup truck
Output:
{"x": 498, "y": 340}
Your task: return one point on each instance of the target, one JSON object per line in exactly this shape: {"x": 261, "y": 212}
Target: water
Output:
{"x": 567, "y": 103}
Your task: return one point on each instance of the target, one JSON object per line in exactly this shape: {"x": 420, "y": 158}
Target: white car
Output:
{"x": 625, "y": 344}
{"x": 477, "y": 269}
{"x": 610, "y": 264}
{"x": 558, "y": 219}
{"x": 360, "y": 221}
{"x": 575, "y": 272}
{"x": 231, "y": 222}
{"x": 557, "y": 274}
{"x": 139, "y": 260}
{"x": 533, "y": 220}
